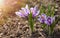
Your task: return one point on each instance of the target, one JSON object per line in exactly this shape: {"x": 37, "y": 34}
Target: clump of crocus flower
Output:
{"x": 29, "y": 13}
{"x": 24, "y": 12}
{"x": 47, "y": 21}
{"x": 43, "y": 18}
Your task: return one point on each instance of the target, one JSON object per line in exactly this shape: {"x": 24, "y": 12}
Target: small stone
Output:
{"x": 56, "y": 6}
{"x": 26, "y": 21}
{"x": 35, "y": 34}
{"x": 56, "y": 9}
{"x": 37, "y": 26}
{"x": 1, "y": 34}
{"x": 18, "y": 34}
{"x": 5, "y": 26}
{"x": 19, "y": 23}
{"x": 5, "y": 33}
{"x": 25, "y": 28}
{"x": 22, "y": 37}
{"x": 22, "y": 25}
{"x": 11, "y": 36}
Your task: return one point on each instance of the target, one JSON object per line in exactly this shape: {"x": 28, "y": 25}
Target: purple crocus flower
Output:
{"x": 34, "y": 11}
{"x": 24, "y": 12}
{"x": 42, "y": 18}
{"x": 49, "y": 20}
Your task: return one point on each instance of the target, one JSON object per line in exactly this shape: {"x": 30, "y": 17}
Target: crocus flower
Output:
{"x": 42, "y": 18}
{"x": 49, "y": 20}
{"x": 34, "y": 11}
{"x": 24, "y": 12}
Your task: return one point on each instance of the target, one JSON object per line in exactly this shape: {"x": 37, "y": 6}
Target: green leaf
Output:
{"x": 49, "y": 10}
{"x": 53, "y": 11}
{"x": 43, "y": 26}
{"x": 42, "y": 9}
{"x": 53, "y": 24}
{"x": 31, "y": 22}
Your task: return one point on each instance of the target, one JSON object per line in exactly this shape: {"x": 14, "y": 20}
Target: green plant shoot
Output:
{"x": 31, "y": 22}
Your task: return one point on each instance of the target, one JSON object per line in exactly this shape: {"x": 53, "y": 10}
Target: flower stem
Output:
{"x": 31, "y": 22}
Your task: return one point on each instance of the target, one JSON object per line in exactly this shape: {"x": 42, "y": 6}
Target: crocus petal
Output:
{"x": 46, "y": 22}
{"x": 36, "y": 8}
{"x": 49, "y": 20}
{"x": 39, "y": 18}
{"x": 24, "y": 11}
{"x": 44, "y": 15}
{"x": 42, "y": 20}
{"x": 37, "y": 13}
{"x": 19, "y": 14}
{"x": 27, "y": 9}
{"x": 34, "y": 11}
